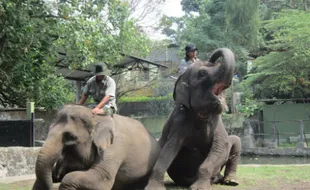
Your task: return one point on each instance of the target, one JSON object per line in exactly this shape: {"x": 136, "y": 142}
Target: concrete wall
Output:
{"x": 16, "y": 161}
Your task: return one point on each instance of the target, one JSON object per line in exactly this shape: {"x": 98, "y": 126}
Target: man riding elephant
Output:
{"x": 102, "y": 88}
{"x": 95, "y": 152}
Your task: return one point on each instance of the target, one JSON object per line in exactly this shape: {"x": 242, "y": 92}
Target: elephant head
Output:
{"x": 201, "y": 87}
{"x": 75, "y": 136}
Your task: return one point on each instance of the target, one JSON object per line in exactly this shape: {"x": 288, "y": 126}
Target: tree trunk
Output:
{"x": 304, "y": 5}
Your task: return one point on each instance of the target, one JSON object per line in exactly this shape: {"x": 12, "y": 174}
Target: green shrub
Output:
{"x": 143, "y": 99}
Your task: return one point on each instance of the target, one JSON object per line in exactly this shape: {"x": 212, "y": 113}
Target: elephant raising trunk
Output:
{"x": 195, "y": 144}
{"x": 225, "y": 71}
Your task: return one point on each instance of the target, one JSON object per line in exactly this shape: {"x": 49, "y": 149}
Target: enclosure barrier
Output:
{"x": 18, "y": 132}
{"x": 276, "y": 134}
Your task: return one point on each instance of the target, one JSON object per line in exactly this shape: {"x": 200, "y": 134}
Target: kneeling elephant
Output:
{"x": 83, "y": 151}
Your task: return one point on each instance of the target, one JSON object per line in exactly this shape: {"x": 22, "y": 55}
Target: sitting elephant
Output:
{"x": 95, "y": 152}
{"x": 195, "y": 144}
{"x": 186, "y": 164}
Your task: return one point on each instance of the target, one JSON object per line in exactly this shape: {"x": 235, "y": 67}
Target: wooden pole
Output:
{"x": 78, "y": 90}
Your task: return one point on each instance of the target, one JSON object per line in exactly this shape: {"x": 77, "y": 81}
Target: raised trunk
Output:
{"x": 48, "y": 155}
{"x": 224, "y": 71}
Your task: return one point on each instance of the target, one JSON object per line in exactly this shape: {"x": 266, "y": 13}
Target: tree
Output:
{"x": 219, "y": 23}
{"x": 35, "y": 35}
{"x": 284, "y": 72}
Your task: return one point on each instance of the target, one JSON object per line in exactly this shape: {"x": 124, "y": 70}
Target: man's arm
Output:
{"x": 97, "y": 109}
{"x": 104, "y": 100}
{"x": 85, "y": 94}
{"x": 83, "y": 99}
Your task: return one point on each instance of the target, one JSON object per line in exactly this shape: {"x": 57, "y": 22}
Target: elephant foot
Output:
{"x": 155, "y": 185}
{"x": 230, "y": 182}
{"x": 201, "y": 185}
{"x": 230, "y": 179}
{"x": 218, "y": 179}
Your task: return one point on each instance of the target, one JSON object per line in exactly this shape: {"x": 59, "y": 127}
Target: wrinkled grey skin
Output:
{"x": 186, "y": 164}
{"x": 194, "y": 137}
{"x": 89, "y": 152}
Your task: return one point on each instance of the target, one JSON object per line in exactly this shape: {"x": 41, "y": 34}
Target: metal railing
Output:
{"x": 275, "y": 130}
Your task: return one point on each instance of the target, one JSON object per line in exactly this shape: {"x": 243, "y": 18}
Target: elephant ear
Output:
{"x": 181, "y": 92}
{"x": 103, "y": 133}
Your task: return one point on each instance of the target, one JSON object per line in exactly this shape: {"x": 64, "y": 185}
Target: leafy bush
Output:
{"x": 142, "y": 99}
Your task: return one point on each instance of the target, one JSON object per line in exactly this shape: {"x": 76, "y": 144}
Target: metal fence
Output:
{"x": 276, "y": 132}
{"x": 18, "y": 132}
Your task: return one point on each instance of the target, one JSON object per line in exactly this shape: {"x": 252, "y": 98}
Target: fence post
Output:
{"x": 273, "y": 132}
{"x": 301, "y": 135}
{"x": 30, "y": 116}
{"x": 301, "y": 131}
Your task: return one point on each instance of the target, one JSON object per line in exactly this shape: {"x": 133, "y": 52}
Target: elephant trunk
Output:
{"x": 224, "y": 71}
{"x": 47, "y": 157}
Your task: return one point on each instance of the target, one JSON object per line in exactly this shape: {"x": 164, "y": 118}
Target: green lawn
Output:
{"x": 285, "y": 177}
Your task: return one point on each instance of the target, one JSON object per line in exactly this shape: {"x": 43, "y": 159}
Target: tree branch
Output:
{"x": 49, "y": 16}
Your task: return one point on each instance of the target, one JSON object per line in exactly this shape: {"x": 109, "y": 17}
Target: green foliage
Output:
{"x": 218, "y": 23}
{"x": 284, "y": 72}
{"x": 97, "y": 31}
{"x": 35, "y": 35}
{"x": 243, "y": 25}
{"x": 143, "y": 98}
{"x": 25, "y": 43}
{"x": 192, "y": 5}
{"x": 248, "y": 105}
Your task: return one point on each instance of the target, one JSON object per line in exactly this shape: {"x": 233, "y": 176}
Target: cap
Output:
{"x": 190, "y": 47}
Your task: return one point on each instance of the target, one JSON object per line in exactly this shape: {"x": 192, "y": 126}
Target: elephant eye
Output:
{"x": 202, "y": 73}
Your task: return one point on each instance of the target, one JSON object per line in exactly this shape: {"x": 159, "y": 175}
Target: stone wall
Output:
{"x": 16, "y": 161}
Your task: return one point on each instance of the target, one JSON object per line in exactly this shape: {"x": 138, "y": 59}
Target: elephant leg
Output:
{"x": 100, "y": 176}
{"x": 213, "y": 164}
{"x": 86, "y": 180}
{"x": 166, "y": 156}
{"x": 231, "y": 165}
{"x": 183, "y": 170}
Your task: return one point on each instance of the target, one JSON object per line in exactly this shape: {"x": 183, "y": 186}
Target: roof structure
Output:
{"x": 127, "y": 63}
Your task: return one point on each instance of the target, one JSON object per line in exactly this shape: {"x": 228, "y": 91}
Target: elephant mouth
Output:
{"x": 203, "y": 116}
{"x": 217, "y": 105}
{"x": 218, "y": 88}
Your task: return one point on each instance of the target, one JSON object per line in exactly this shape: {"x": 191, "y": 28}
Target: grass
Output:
{"x": 251, "y": 177}
{"x": 287, "y": 145}
{"x": 16, "y": 186}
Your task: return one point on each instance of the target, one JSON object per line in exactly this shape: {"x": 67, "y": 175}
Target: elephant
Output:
{"x": 194, "y": 142}
{"x": 187, "y": 163}
{"x": 95, "y": 152}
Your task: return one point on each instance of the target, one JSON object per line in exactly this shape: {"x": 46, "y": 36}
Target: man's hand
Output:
{"x": 97, "y": 111}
